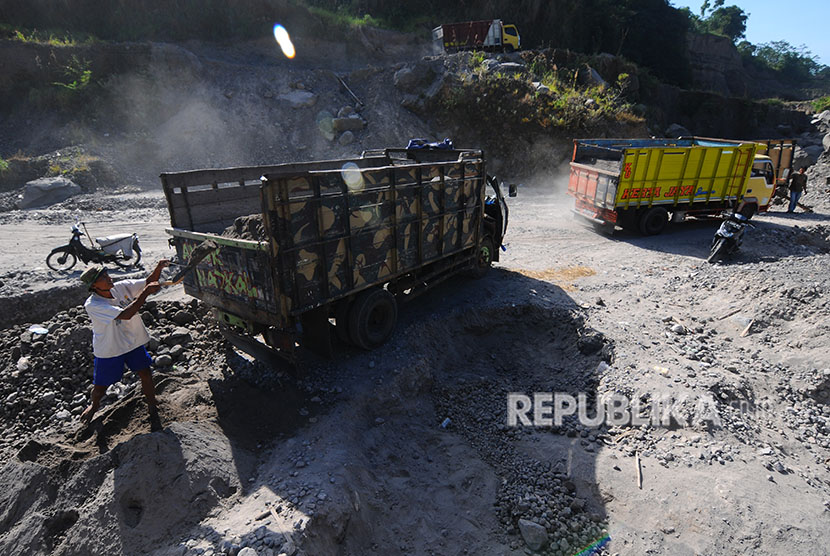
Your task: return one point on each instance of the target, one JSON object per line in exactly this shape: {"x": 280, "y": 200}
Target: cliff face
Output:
{"x": 716, "y": 66}
{"x": 714, "y": 115}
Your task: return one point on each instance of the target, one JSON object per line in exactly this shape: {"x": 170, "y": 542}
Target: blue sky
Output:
{"x": 799, "y": 22}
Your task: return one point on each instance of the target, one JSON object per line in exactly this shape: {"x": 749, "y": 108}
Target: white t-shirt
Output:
{"x": 112, "y": 337}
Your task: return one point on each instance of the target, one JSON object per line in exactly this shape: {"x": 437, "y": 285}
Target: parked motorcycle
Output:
{"x": 122, "y": 250}
{"x": 729, "y": 236}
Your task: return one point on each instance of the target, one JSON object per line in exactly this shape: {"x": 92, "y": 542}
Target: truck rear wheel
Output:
{"x": 653, "y": 221}
{"x": 372, "y": 318}
{"x": 485, "y": 257}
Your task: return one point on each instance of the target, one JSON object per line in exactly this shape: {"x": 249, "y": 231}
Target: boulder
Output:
{"x": 299, "y": 99}
{"x": 163, "y": 361}
{"x": 510, "y": 68}
{"x": 591, "y": 77}
{"x": 47, "y": 191}
{"x": 413, "y": 103}
{"x": 826, "y": 143}
{"x": 544, "y": 89}
{"x": 677, "y": 130}
{"x": 346, "y": 139}
{"x": 347, "y": 124}
{"x": 179, "y": 336}
{"x": 822, "y": 120}
{"x": 534, "y": 535}
{"x": 345, "y": 112}
{"x": 808, "y": 155}
{"x": 412, "y": 77}
{"x": 183, "y": 317}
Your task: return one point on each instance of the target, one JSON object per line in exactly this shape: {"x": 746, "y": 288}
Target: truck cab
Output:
{"x": 761, "y": 185}
{"x": 510, "y": 38}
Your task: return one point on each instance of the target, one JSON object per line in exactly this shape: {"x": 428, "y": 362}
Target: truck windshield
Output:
{"x": 763, "y": 170}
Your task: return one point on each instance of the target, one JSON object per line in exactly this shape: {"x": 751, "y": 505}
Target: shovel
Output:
{"x": 200, "y": 252}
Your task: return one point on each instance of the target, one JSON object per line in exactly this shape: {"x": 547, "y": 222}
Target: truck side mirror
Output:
{"x": 512, "y": 190}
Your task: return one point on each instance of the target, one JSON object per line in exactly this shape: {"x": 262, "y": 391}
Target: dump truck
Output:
{"x": 490, "y": 34}
{"x": 642, "y": 184}
{"x": 341, "y": 243}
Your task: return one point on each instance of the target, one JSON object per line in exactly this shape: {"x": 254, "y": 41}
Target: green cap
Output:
{"x": 91, "y": 274}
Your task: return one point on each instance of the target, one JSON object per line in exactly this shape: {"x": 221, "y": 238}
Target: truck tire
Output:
{"x": 485, "y": 257}
{"x": 653, "y": 221}
{"x": 372, "y": 318}
{"x": 341, "y": 320}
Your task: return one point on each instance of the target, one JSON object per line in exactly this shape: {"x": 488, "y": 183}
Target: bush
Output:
{"x": 821, "y": 104}
{"x": 497, "y": 101}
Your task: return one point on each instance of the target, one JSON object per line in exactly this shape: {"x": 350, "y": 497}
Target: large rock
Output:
{"x": 347, "y": 124}
{"x": 677, "y": 130}
{"x": 591, "y": 77}
{"x": 511, "y": 68}
{"x": 47, "y": 191}
{"x": 808, "y": 155}
{"x": 826, "y": 143}
{"x": 534, "y": 535}
{"x": 298, "y": 99}
{"x": 822, "y": 120}
{"x": 346, "y": 139}
{"x": 413, "y": 77}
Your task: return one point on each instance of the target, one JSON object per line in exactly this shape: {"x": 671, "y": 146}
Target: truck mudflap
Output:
{"x": 594, "y": 214}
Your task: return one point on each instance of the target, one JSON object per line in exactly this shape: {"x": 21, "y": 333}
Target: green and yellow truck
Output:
{"x": 339, "y": 243}
{"x": 642, "y": 184}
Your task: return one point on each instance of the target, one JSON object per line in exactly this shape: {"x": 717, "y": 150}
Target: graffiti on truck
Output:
{"x": 232, "y": 283}
{"x": 212, "y": 259}
{"x": 665, "y": 193}
{"x": 211, "y": 274}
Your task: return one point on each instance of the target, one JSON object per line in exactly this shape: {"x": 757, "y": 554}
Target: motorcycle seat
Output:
{"x": 109, "y": 240}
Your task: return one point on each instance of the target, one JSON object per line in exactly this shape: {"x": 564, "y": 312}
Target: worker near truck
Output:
{"x": 798, "y": 186}
{"x": 119, "y": 334}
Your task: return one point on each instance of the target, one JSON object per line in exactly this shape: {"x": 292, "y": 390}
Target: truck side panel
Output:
{"x": 690, "y": 175}
{"x": 468, "y": 34}
{"x": 336, "y": 232}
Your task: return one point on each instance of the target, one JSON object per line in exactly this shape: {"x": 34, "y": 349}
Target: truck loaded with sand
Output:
{"x": 342, "y": 240}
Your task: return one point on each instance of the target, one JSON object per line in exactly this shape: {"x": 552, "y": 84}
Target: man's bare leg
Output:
{"x": 149, "y": 390}
{"x": 97, "y": 393}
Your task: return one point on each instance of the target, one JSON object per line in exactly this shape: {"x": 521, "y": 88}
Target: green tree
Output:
{"x": 729, "y": 21}
{"x": 796, "y": 63}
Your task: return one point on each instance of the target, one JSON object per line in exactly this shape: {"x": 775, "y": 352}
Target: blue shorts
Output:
{"x": 109, "y": 370}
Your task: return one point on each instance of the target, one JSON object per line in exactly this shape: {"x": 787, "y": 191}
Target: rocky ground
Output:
{"x": 406, "y": 449}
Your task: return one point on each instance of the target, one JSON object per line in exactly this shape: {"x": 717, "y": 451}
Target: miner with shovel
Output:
{"x": 119, "y": 334}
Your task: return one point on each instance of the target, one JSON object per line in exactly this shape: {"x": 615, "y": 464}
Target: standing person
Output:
{"x": 119, "y": 335}
{"x": 798, "y": 186}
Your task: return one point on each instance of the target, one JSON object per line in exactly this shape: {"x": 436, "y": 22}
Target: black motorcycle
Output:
{"x": 729, "y": 236}
{"x": 122, "y": 250}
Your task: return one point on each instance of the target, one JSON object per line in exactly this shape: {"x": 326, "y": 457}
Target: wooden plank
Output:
{"x": 225, "y": 211}
{"x": 214, "y": 196}
{"x": 250, "y": 173}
